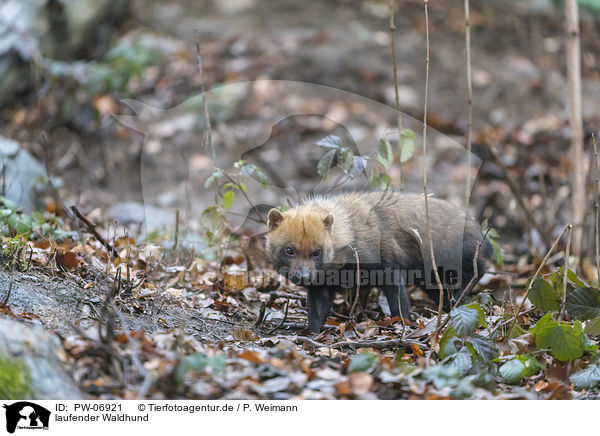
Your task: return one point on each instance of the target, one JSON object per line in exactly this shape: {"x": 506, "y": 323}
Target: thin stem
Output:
{"x": 516, "y": 315}
{"x": 396, "y": 92}
{"x": 567, "y": 254}
{"x": 430, "y": 239}
{"x": 575, "y": 121}
{"x": 469, "y": 101}
{"x": 596, "y": 196}
{"x": 207, "y": 137}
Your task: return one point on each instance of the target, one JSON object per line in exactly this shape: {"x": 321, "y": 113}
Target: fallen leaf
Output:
{"x": 360, "y": 383}
{"x": 251, "y": 356}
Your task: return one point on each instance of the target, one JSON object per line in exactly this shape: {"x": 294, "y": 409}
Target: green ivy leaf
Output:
{"x": 586, "y": 378}
{"x": 543, "y": 296}
{"x": 406, "y": 143}
{"x": 464, "y": 320}
{"x": 325, "y": 163}
{"x": 584, "y": 303}
{"x": 331, "y": 141}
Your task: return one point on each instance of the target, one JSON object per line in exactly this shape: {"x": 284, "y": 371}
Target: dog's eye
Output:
{"x": 316, "y": 253}
{"x": 290, "y": 251}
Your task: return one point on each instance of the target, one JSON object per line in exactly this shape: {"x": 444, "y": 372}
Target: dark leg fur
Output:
{"x": 391, "y": 294}
{"x": 319, "y": 306}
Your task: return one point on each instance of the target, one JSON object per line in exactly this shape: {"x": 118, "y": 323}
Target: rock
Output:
{"x": 35, "y": 29}
{"x": 8, "y": 148}
{"x": 133, "y": 212}
{"x": 37, "y": 349}
{"x": 22, "y": 174}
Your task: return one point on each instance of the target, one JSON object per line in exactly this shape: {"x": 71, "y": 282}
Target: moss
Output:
{"x": 15, "y": 379}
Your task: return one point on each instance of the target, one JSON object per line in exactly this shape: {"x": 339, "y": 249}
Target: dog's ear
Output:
{"x": 274, "y": 219}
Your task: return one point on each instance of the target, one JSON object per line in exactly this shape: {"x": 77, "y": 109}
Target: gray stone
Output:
{"x": 22, "y": 174}
{"x": 8, "y": 148}
{"x": 37, "y": 349}
{"x": 152, "y": 217}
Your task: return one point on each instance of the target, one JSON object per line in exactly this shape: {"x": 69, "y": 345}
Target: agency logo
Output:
{"x": 26, "y": 415}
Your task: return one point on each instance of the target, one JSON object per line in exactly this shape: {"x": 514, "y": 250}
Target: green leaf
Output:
{"x": 347, "y": 159}
{"x": 586, "y": 378}
{"x": 210, "y": 217}
{"x": 212, "y": 179}
{"x": 449, "y": 344}
{"x": 406, "y": 143}
{"x": 464, "y": 321}
{"x": 565, "y": 341}
{"x": 483, "y": 346}
{"x": 512, "y": 371}
{"x": 572, "y": 277}
{"x": 592, "y": 327}
{"x": 521, "y": 366}
{"x": 584, "y": 303}
{"x": 480, "y": 313}
{"x": 325, "y": 163}
{"x": 198, "y": 362}
{"x": 362, "y": 362}
{"x": 532, "y": 365}
{"x": 360, "y": 163}
{"x": 385, "y": 157}
{"x": 497, "y": 252}
{"x": 462, "y": 361}
{"x": 228, "y": 200}
{"x": 9, "y": 204}
{"x": 381, "y": 182}
{"x": 331, "y": 141}
{"x": 543, "y": 296}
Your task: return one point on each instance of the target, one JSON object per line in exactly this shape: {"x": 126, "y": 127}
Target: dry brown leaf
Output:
{"x": 251, "y": 356}
{"x": 242, "y": 334}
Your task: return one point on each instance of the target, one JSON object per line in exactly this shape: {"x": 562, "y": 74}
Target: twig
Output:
{"x": 357, "y": 281}
{"x": 207, "y": 137}
{"x": 473, "y": 280}
{"x": 596, "y": 218}
{"x": 469, "y": 100}
{"x": 261, "y": 314}
{"x": 377, "y": 344}
{"x": 231, "y": 179}
{"x": 516, "y": 191}
{"x": 134, "y": 353}
{"x": 92, "y": 228}
{"x": 575, "y": 122}
{"x": 431, "y": 253}
{"x": 565, "y": 275}
{"x": 176, "y": 242}
{"x": 273, "y": 330}
{"x": 399, "y": 114}
{"x": 548, "y": 254}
